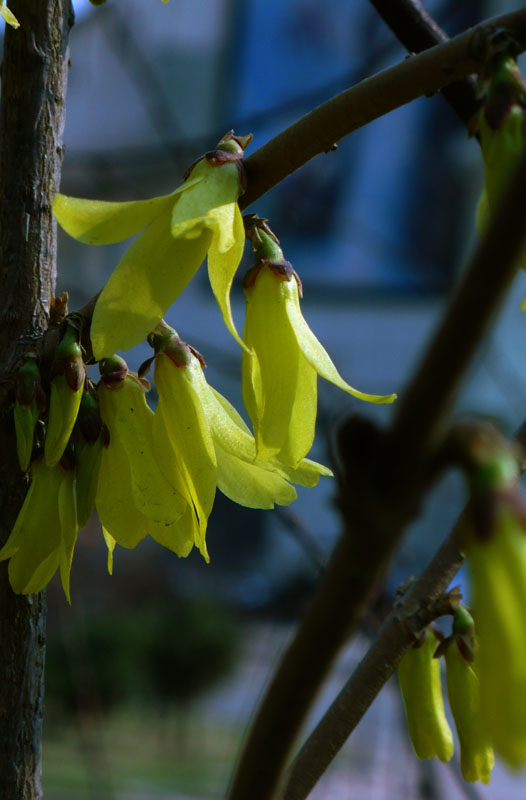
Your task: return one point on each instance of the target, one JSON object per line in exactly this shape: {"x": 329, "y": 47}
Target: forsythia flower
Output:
{"x": 45, "y": 531}
{"x": 476, "y": 753}
{"x": 498, "y": 575}
{"x": 280, "y": 374}
{"x": 200, "y": 217}
{"x": 68, "y": 374}
{"x": 30, "y": 399}
{"x": 8, "y": 16}
{"x": 201, "y": 442}
{"x": 419, "y": 677}
{"x": 133, "y": 498}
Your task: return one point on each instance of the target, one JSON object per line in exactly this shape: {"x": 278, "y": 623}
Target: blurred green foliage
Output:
{"x": 158, "y": 654}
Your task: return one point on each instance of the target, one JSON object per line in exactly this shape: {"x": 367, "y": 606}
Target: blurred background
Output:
{"x": 153, "y": 674}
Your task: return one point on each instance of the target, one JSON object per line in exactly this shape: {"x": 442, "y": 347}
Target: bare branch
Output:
{"x": 377, "y": 504}
{"x": 419, "y": 75}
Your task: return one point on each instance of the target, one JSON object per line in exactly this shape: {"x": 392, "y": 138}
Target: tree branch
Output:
{"x": 418, "y": 31}
{"x": 394, "y": 638}
{"x": 31, "y": 123}
{"x": 419, "y": 75}
{"x": 377, "y": 503}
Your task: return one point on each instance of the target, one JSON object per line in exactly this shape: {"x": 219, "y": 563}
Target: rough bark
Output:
{"x": 31, "y": 124}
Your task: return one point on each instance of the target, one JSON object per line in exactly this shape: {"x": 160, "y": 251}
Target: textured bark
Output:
{"x": 31, "y": 124}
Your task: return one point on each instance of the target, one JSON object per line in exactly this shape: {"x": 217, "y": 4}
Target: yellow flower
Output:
{"x": 419, "y": 677}
{"x": 498, "y": 575}
{"x": 280, "y": 373}
{"x": 30, "y": 399}
{"x": 476, "y": 753}
{"x": 45, "y": 531}
{"x": 8, "y": 16}
{"x": 200, "y": 217}
{"x": 68, "y": 374}
{"x": 133, "y": 499}
{"x": 201, "y": 442}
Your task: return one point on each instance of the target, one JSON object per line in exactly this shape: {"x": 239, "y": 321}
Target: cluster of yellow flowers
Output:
{"x": 486, "y": 662}
{"x": 157, "y": 473}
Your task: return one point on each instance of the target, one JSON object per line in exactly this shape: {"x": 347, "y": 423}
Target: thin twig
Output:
{"x": 420, "y": 75}
{"x": 379, "y": 663}
{"x": 418, "y": 31}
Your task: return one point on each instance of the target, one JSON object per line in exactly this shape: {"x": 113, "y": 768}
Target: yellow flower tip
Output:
{"x": 523, "y": 305}
{"x": 9, "y": 17}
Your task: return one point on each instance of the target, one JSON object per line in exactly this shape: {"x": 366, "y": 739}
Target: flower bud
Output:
{"x": 67, "y": 382}
{"x": 419, "y": 677}
{"x": 476, "y": 753}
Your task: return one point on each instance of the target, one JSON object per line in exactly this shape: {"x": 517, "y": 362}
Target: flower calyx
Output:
{"x": 267, "y": 253}
{"x": 230, "y": 150}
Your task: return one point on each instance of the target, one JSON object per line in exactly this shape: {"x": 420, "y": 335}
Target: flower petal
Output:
{"x": 210, "y": 203}
{"x": 316, "y": 354}
{"x": 33, "y": 546}
{"x": 222, "y": 267}
{"x": 251, "y": 484}
{"x": 129, "y": 421}
{"x": 279, "y": 385}
{"x": 110, "y": 544}
{"x": 181, "y": 417}
{"x": 68, "y": 528}
{"x": 101, "y": 222}
{"x": 9, "y": 17}
{"x": 145, "y": 283}
{"x": 114, "y": 501}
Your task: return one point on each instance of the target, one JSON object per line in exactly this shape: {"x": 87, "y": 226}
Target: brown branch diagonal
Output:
{"x": 376, "y": 515}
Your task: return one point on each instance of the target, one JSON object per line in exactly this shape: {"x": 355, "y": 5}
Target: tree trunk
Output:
{"x": 31, "y": 123}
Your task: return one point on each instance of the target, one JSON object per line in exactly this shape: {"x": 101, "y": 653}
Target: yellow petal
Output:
{"x": 180, "y": 415}
{"x": 9, "y": 17}
{"x": 110, "y": 544}
{"x": 316, "y": 354}
{"x": 68, "y": 528}
{"x": 114, "y": 500}
{"x": 307, "y": 473}
{"x": 222, "y": 267}
{"x": 100, "y": 222}
{"x": 209, "y": 204}
{"x": 64, "y": 406}
{"x": 129, "y": 420}
{"x": 251, "y": 484}
{"x": 33, "y": 546}
{"x": 25, "y": 421}
{"x": 279, "y": 385}
{"x": 145, "y": 283}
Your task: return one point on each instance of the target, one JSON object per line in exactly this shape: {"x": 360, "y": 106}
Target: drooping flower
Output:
{"x": 498, "y": 576}
{"x": 419, "y": 677}
{"x": 200, "y": 217}
{"x": 495, "y": 545}
{"x": 476, "y": 753}
{"x": 68, "y": 374}
{"x": 45, "y": 531}
{"x": 8, "y": 16}
{"x": 201, "y": 442}
{"x": 133, "y": 498}
{"x": 284, "y": 357}
{"x": 30, "y": 400}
